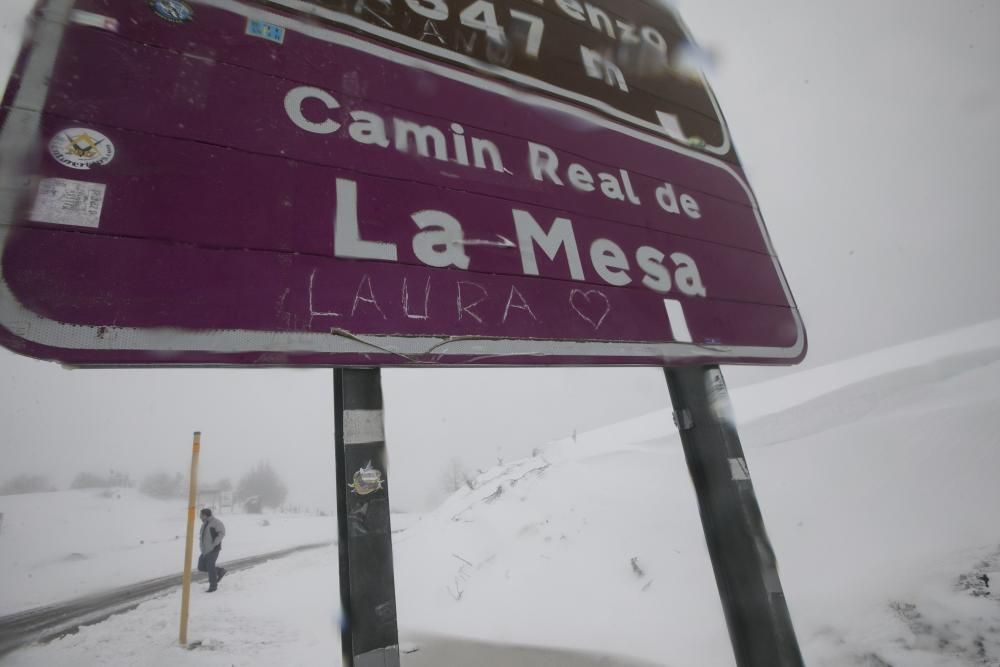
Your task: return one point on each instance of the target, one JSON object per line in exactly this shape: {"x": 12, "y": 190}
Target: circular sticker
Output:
{"x": 80, "y": 148}
{"x": 175, "y": 11}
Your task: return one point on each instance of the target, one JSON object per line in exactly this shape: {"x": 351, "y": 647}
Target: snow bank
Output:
{"x": 878, "y": 496}
{"x": 283, "y": 612}
{"x": 784, "y": 393}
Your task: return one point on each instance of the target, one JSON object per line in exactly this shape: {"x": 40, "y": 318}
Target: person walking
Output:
{"x": 212, "y": 532}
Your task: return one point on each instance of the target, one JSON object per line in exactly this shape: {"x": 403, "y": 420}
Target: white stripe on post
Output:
{"x": 362, "y": 426}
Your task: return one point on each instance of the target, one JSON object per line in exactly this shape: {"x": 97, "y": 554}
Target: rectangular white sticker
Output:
{"x": 62, "y": 201}
{"x": 92, "y": 20}
{"x": 739, "y": 469}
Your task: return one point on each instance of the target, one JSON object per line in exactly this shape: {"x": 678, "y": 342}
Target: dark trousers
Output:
{"x": 206, "y": 563}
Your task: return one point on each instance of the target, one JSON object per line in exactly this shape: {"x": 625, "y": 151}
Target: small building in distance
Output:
{"x": 216, "y": 498}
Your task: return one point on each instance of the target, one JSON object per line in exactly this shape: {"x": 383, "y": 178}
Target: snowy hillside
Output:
{"x": 57, "y": 546}
{"x": 880, "y": 496}
{"x": 759, "y": 400}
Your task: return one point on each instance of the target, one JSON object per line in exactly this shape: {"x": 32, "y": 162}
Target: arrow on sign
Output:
{"x": 501, "y": 242}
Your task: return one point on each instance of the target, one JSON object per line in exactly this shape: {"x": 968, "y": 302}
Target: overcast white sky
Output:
{"x": 870, "y": 134}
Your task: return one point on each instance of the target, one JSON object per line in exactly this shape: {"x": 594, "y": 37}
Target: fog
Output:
{"x": 60, "y": 422}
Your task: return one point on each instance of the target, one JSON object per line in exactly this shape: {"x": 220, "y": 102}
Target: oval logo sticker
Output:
{"x": 80, "y": 148}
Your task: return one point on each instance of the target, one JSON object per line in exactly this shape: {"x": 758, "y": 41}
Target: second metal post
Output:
{"x": 369, "y": 636}
{"x": 746, "y": 572}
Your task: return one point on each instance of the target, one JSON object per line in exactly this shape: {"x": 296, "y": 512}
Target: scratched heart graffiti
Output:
{"x": 591, "y": 305}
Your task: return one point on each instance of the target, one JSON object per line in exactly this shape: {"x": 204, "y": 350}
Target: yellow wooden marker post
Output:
{"x": 192, "y": 499}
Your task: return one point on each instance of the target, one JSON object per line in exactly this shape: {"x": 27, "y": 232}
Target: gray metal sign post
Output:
{"x": 369, "y": 636}
{"x": 746, "y": 571}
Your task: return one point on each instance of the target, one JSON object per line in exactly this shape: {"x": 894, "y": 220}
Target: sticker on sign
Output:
{"x": 320, "y": 197}
{"x": 62, "y": 201}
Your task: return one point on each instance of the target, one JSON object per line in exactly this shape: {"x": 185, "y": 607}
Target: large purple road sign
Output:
{"x": 392, "y": 183}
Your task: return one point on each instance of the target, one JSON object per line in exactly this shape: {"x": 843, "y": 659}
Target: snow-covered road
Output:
{"x": 52, "y": 621}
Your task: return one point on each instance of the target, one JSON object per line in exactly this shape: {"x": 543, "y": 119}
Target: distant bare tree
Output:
{"x": 119, "y": 480}
{"x": 224, "y": 484}
{"x": 26, "y": 484}
{"x": 88, "y": 480}
{"x": 115, "y": 479}
{"x": 262, "y": 482}
{"x": 455, "y": 476}
{"x": 163, "y": 485}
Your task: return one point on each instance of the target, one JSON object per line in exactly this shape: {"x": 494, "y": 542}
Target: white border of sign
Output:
{"x": 21, "y": 134}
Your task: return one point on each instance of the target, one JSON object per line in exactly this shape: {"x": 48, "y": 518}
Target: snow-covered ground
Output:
{"x": 880, "y": 496}
{"x": 57, "y": 546}
{"x": 284, "y": 612}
